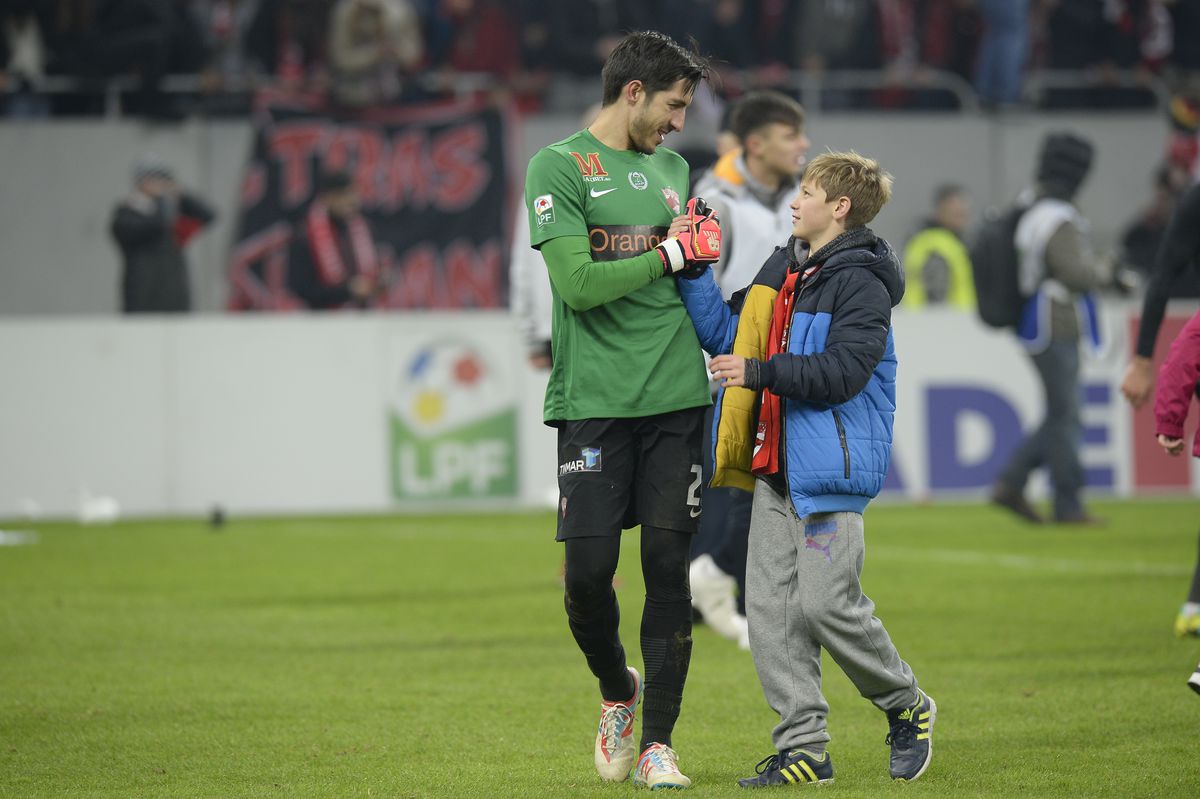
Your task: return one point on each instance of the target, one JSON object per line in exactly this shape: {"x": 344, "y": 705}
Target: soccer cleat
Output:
{"x": 797, "y": 767}
{"x": 1187, "y": 624}
{"x": 1194, "y": 680}
{"x": 657, "y": 768}
{"x": 911, "y": 738}
{"x": 713, "y": 595}
{"x": 616, "y": 747}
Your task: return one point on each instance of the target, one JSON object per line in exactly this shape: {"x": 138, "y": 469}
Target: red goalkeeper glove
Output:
{"x": 698, "y": 246}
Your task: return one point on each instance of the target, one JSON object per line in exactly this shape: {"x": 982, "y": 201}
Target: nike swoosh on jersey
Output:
{"x": 602, "y": 192}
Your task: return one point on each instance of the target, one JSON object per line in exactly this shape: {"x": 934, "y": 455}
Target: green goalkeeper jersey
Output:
{"x": 624, "y": 345}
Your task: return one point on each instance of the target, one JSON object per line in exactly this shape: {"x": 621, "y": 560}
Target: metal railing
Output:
{"x": 812, "y": 89}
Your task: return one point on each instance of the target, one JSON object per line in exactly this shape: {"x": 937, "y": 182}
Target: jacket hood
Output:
{"x": 855, "y": 248}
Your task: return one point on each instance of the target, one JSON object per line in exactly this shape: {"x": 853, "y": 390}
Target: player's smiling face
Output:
{"x": 657, "y": 115}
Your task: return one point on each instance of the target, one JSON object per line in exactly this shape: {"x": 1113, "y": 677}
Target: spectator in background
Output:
{"x": 1057, "y": 270}
{"x": 286, "y": 40}
{"x": 1142, "y": 238}
{"x": 223, "y": 26}
{"x": 1002, "y": 51}
{"x": 475, "y": 36}
{"x": 333, "y": 261}
{"x": 23, "y": 57}
{"x": 151, "y": 227}
{"x": 751, "y": 189}
{"x": 372, "y": 43}
{"x": 1184, "y": 60}
{"x": 134, "y": 36}
{"x": 936, "y": 263}
{"x": 583, "y": 33}
{"x": 838, "y": 34}
{"x": 723, "y": 27}
{"x": 1180, "y": 250}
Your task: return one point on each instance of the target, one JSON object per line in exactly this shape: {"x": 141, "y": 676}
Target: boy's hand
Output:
{"x": 1173, "y": 446}
{"x": 697, "y": 244}
{"x": 729, "y": 369}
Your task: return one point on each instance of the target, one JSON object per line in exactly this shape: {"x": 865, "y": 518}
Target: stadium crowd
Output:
{"x": 57, "y": 55}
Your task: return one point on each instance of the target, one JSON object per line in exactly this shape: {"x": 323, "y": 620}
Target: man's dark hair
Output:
{"x": 945, "y": 191}
{"x": 655, "y": 59}
{"x": 334, "y": 180}
{"x": 761, "y": 108}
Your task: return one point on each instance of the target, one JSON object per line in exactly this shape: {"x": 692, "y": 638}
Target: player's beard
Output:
{"x": 643, "y": 134}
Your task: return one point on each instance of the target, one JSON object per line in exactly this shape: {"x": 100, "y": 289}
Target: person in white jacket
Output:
{"x": 751, "y": 188}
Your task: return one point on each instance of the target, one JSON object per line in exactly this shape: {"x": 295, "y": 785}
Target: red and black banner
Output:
{"x": 434, "y": 188}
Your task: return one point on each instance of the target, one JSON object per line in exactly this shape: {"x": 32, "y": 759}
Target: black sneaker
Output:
{"x": 911, "y": 738}
{"x": 1194, "y": 681}
{"x": 797, "y": 767}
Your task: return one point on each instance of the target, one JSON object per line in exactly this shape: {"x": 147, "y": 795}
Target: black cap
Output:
{"x": 334, "y": 180}
{"x": 1065, "y": 161}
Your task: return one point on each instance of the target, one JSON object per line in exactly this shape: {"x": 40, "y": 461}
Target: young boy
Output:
{"x": 1178, "y": 382}
{"x": 806, "y": 406}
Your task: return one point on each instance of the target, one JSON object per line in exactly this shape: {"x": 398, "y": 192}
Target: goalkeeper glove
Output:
{"x": 698, "y": 246}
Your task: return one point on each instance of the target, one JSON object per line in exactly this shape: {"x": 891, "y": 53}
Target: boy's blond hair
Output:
{"x": 855, "y": 176}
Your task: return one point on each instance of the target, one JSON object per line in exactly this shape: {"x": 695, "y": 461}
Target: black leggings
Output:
{"x": 666, "y": 631}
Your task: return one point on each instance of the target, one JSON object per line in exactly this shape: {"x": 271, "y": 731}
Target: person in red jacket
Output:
{"x": 1178, "y": 382}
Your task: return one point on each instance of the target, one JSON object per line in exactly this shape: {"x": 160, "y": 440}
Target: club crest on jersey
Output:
{"x": 638, "y": 181}
{"x": 589, "y": 460}
{"x": 543, "y": 209}
{"x": 672, "y": 198}
{"x": 590, "y": 166}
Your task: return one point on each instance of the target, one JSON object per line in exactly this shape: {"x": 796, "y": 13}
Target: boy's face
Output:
{"x": 812, "y": 213}
{"x": 780, "y": 148}
{"x": 656, "y": 115}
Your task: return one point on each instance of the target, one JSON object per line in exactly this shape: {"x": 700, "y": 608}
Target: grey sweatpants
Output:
{"x": 802, "y": 594}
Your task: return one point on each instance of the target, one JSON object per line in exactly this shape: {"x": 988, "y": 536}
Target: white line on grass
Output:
{"x": 1033, "y": 562}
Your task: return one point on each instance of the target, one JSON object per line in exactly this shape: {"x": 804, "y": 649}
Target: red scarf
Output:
{"x": 766, "y": 439}
{"x": 322, "y": 240}
{"x": 770, "y": 412}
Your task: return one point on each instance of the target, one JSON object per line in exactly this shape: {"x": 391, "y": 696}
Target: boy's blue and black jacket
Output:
{"x": 837, "y": 381}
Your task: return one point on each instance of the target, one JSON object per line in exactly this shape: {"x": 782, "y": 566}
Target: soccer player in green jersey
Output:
{"x": 628, "y": 386}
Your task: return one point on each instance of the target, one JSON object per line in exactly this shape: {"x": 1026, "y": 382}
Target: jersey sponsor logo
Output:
{"x": 601, "y": 192}
{"x": 672, "y": 198}
{"x": 638, "y": 181}
{"x": 590, "y": 165}
{"x": 589, "y": 460}
{"x": 614, "y": 242}
{"x": 543, "y": 208}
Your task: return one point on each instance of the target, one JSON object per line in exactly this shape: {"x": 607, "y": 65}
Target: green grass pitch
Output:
{"x": 429, "y": 657}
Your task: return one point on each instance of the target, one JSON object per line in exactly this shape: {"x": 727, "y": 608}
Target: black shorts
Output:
{"x": 614, "y": 474}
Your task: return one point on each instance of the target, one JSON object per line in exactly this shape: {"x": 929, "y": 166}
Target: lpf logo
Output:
{"x": 453, "y": 424}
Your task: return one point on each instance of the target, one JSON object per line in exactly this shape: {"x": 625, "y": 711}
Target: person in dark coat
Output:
{"x": 151, "y": 227}
{"x": 334, "y": 262}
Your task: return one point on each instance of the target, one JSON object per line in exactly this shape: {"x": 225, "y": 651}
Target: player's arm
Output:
{"x": 584, "y": 284}
{"x": 1177, "y": 381}
{"x": 555, "y": 197}
{"x": 1180, "y": 245}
